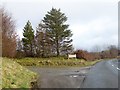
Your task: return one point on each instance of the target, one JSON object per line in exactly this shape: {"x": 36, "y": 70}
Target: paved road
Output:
{"x": 103, "y": 75}
{"x": 60, "y": 77}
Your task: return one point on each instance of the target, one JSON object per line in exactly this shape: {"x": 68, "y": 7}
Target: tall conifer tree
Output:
{"x": 57, "y": 30}
{"x": 28, "y": 39}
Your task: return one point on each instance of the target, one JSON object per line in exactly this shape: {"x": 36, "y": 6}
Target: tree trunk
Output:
{"x": 58, "y": 53}
{"x": 31, "y": 51}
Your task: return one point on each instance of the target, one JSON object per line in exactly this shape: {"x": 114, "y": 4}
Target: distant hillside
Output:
{"x": 15, "y": 76}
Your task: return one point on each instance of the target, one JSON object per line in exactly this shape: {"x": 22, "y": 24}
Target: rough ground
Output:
{"x": 71, "y": 77}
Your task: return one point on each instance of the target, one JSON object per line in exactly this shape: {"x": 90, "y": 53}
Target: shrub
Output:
{"x": 84, "y": 55}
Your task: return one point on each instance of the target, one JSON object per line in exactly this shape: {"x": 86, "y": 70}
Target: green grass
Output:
{"x": 15, "y": 75}
{"x": 54, "y": 62}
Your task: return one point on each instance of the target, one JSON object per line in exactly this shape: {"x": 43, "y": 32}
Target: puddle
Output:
{"x": 75, "y": 75}
{"x": 77, "y": 71}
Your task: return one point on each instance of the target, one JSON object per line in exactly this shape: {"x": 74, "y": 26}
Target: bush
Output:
{"x": 84, "y": 55}
{"x": 20, "y": 55}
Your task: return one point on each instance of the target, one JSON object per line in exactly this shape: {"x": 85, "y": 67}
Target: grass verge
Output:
{"x": 15, "y": 75}
{"x": 55, "y": 62}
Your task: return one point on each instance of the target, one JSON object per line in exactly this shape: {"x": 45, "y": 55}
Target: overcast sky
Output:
{"x": 93, "y": 22}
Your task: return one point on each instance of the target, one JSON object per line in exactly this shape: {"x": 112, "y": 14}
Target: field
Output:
{"x": 54, "y": 62}
{"x": 15, "y": 75}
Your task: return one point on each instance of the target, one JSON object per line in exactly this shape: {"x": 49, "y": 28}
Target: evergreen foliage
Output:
{"x": 58, "y": 30}
{"x": 28, "y": 40}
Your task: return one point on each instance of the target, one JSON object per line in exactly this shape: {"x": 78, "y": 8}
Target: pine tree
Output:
{"x": 43, "y": 43}
{"x": 67, "y": 47}
{"x": 28, "y": 40}
{"x": 57, "y": 30}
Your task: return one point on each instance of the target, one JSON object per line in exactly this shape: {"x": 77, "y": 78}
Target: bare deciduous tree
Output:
{"x": 8, "y": 34}
{"x": 0, "y": 32}
{"x": 113, "y": 51}
{"x": 96, "y": 48}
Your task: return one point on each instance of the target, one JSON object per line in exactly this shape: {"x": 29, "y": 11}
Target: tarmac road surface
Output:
{"x": 103, "y": 75}
{"x": 71, "y": 77}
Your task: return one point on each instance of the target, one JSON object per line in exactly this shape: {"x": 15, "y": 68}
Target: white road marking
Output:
{"x": 114, "y": 66}
{"x": 118, "y": 68}
{"x": 75, "y": 76}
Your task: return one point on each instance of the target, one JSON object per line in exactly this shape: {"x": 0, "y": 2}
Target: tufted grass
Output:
{"x": 15, "y": 75}
{"x": 55, "y": 62}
